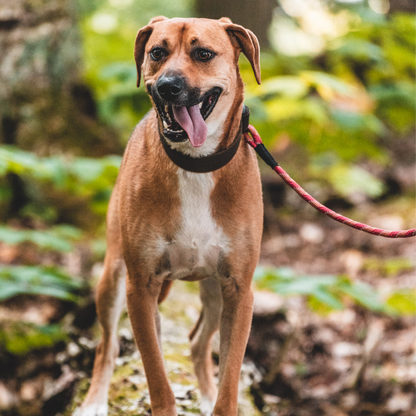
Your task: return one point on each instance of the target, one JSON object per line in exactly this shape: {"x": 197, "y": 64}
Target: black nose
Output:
{"x": 170, "y": 87}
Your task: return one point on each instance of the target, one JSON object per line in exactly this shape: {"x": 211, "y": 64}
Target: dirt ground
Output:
{"x": 349, "y": 362}
{"x": 298, "y": 362}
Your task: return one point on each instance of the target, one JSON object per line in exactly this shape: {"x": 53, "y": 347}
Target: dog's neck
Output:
{"x": 224, "y": 151}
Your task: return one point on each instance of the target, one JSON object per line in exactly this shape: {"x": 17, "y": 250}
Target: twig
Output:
{"x": 371, "y": 342}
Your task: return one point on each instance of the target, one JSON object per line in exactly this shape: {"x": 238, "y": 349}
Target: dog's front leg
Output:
{"x": 142, "y": 296}
{"x": 201, "y": 336}
{"x": 234, "y": 332}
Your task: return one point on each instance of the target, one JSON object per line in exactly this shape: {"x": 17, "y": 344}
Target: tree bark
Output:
{"x": 407, "y": 6}
{"x": 253, "y": 15}
{"x": 44, "y": 105}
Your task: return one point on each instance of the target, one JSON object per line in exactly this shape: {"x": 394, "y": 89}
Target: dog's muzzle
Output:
{"x": 182, "y": 109}
{"x": 170, "y": 87}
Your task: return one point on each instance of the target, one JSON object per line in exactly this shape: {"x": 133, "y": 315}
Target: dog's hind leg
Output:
{"x": 111, "y": 300}
{"x": 201, "y": 336}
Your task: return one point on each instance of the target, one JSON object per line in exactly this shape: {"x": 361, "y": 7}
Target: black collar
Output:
{"x": 212, "y": 162}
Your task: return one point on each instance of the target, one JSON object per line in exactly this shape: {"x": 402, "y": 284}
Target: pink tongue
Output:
{"x": 191, "y": 121}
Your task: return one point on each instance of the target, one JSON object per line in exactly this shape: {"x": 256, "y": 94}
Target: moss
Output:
{"x": 129, "y": 393}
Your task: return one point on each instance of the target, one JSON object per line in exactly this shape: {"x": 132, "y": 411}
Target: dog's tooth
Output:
{"x": 200, "y": 105}
{"x": 165, "y": 125}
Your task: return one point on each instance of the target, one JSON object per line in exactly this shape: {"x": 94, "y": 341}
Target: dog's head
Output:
{"x": 190, "y": 70}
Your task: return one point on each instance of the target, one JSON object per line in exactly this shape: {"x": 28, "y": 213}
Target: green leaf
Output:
{"x": 305, "y": 285}
{"x": 389, "y": 267}
{"x": 11, "y": 236}
{"x": 328, "y": 299}
{"x": 87, "y": 170}
{"x": 403, "y": 302}
{"x": 354, "y": 121}
{"x": 290, "y": 86}
{"x": 21, "y": 337}
{"x": 324, "y": 292}
{"x": 348, "y": 180}
{"x": 360, "y": 49}
{"x": 363, "y": 294}
{"x": 58, "y": 238}
{"x": 121, "y": 71}
{"x": 324, "y": 82}
{"x": 36, "y": 280}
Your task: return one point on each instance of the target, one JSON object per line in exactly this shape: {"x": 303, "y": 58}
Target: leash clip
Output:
{"x": 252, "y": 137}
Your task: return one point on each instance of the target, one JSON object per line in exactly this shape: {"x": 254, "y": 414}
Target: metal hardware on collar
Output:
{"x": 212, "y": 162}
{"x": 254, "y": 140}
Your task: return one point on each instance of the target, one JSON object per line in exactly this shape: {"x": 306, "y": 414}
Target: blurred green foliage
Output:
{"x": 329, "y": 291}
{"x": 389, "y": 267}
{"x": 363, "y": 101}
{"x": 89, "y": 178}
{"x": 80, "y": 175}
{"x": 326, "y": 293}
{"x": 403, "y": 302}
{"x": 21, "y": 337}
{"x": 347, "y": 179}
{"x": 341, "y": 105}
{"x": 37, "y": 280}
{"x": 58, "y": 238}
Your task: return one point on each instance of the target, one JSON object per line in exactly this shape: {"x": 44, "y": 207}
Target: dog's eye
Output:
{"x": 204, "y": 55}
{"x": 157, "y": 54}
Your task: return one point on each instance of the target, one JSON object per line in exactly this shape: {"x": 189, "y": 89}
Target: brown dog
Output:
{"x": 166, "y": 222}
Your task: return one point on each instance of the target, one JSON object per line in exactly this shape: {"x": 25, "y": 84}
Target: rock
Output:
{"x": 267, "y": 303}
{"x": 7, "y": 398}
{"x": 400, "y": 402}
{"x": 312, "y": 233}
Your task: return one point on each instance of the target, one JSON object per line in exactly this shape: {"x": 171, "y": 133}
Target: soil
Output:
{"x": 300, "y": 360}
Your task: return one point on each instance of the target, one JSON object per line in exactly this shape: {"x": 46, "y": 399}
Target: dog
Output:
{"x": 182, "y": 210}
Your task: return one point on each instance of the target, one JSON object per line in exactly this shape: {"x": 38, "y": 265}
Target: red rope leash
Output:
{"x": 256, "y": 142}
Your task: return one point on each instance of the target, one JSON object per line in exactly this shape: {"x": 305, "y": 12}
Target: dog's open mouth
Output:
{"x": 188, "y": 122}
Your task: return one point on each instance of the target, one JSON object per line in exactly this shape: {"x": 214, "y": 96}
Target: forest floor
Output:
{"x": 298, "y": 362}
{"x": 301, "y": 359}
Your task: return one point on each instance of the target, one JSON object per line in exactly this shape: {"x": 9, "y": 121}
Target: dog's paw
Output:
{"x": 207, "y": 406}
{"x": 92, "y": 410}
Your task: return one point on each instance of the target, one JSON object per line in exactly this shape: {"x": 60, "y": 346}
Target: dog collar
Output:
{"x": 211, "y": 162}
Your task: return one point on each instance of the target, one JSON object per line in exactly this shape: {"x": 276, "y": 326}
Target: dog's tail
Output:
{"x": 197, "y": 325}
{"x": 164, "y": 291}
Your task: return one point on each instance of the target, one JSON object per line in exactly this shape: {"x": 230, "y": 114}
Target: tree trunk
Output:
{"x": 254, "y": 15}
{"x": 407, "y": 6}
{"x": 44, "y": 105}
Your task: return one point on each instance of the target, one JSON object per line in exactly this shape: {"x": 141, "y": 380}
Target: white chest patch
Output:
{"x": 199, "y": 241}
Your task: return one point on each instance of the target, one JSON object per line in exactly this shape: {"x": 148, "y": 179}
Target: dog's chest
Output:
{"x": 199, "y": 242}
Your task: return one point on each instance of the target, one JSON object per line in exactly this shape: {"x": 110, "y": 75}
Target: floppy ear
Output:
{"x": 141, "y": 39}
{"x": 139, "y": 46}
{"x": 157, "y": 19}
{"x": 247, "y": 41}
